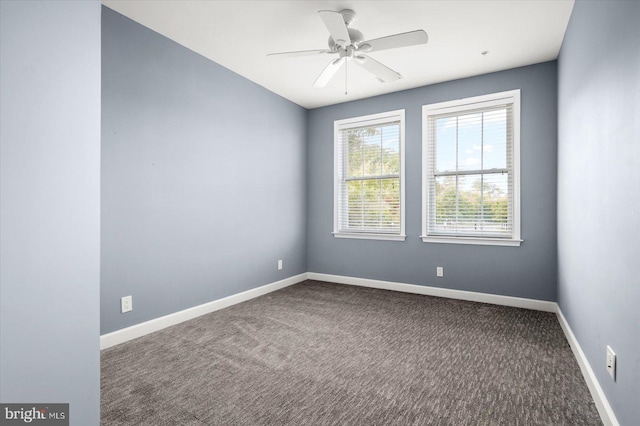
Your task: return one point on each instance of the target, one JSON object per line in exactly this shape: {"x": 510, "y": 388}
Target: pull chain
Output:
{"x": 346, "y": 62}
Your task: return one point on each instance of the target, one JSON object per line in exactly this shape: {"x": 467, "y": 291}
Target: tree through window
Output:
{"x": 369, "y": 176}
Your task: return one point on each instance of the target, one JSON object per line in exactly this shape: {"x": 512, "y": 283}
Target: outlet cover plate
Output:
{"x": 611, "y": 363}
{"x": 126, "y": 304}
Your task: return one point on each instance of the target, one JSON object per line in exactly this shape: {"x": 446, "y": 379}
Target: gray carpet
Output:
{"x": 327, "y": 354}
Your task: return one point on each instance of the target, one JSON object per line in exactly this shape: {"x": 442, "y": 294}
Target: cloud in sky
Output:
{"x": 471, "y": 161}
{"x": 487, "y": 148}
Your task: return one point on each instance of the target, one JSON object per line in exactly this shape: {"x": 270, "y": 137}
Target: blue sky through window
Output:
{"x": 476, "y": 141}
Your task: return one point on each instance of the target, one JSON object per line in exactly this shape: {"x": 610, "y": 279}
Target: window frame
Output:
{"x": 338, "y": 172}
{"x": 460, "y": 106}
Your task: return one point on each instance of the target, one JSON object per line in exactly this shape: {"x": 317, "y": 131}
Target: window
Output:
{"x": 369, "y": 177}
{"x": 471, "y": 177}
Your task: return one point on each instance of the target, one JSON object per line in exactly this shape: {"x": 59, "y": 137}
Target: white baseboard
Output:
{"x": 602, "y": 404}
{"x": 139, "y": 330}
{"x": 518, "y": 302}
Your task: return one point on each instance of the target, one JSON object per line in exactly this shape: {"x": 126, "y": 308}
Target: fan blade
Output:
{"x": 299, "y": 53}
{"x": 411, "y": 38}
{"x": 327, "y": 74}
{"x": 334, "y": 21}
{"x": 383, "y": 72}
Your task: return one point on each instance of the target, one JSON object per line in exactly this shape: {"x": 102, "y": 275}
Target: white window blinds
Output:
{"x": 471, "y": 180}
{"x": 369, "y": 192}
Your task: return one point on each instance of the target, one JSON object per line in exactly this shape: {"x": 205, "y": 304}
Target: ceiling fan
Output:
{"x": 348, "y": 43}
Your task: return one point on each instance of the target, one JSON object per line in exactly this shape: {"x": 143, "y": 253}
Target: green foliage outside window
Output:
{"x": 373, "y": 182}
{"x": 475, "y": 204}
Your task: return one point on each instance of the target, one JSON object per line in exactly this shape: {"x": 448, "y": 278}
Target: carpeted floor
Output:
{"x": 328, "y": 354}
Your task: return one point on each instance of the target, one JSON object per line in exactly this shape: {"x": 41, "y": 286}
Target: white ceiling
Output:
{"x": 239, "y": 34}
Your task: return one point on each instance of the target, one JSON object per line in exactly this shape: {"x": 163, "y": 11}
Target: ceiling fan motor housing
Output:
{"x": 355, "y": 36}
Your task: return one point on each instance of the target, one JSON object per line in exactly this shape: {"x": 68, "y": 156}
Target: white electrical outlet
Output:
{"x": 611, "y": 363}
{"x": 279, "y": 265}
{"x": 126, "y": 304}
{"x": 440, "y": 271}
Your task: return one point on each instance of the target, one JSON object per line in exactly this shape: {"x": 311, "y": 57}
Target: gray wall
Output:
{"x": 525, "y": 271}
{"x": 203, "y": 178}
{"x": 598, "y": 192}
{"x": 49, "y": 204}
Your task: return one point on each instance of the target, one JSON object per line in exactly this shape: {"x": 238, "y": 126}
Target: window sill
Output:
{"x": 472, "y": 240}
{"x": 387, "y": 237}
